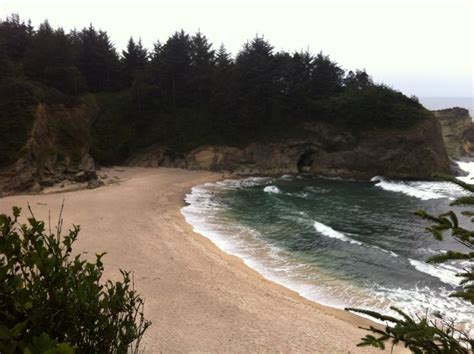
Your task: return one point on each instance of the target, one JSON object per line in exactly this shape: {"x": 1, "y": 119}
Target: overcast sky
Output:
{"x": 421, "y": 47}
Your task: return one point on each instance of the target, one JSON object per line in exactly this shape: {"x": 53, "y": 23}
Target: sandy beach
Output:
{"x": 198, "y": 298}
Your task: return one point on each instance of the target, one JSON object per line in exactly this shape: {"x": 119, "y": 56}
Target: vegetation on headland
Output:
{"x": 183, "y": 93}
{"x": 54, "y": 302}
{"x": 434, "y": 333}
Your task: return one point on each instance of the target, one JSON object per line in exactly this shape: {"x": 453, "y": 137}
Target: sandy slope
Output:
{"x": 199, "y": 298}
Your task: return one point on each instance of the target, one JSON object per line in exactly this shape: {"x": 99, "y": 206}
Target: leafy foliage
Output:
{"x": 426, "y": 334}
{"x": 51, "y": 301}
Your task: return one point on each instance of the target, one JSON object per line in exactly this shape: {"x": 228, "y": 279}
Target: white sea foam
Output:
{"x": 419, "y": 189}
{"x": 420, "y": 299}
{"x": 330, "y": 232}
{"x": 469, "y": 168}
{"x": 428, "y": 190}
{"x": 287, "y": 177}
{"x": 203, "y": 212}
{"x": 272, "y": 189}
{"x": 445, "y": 273}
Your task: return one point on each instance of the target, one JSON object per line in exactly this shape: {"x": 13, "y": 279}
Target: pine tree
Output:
{"x": 15, "y": 38}
{"x": 326, "y": 77}
{"x": 357, "y": 80}
{"x": 174, "y": 60}
{"x": 254, "y": 74}
{"x": 202, "y": 66}
{"x": 223, "y": 102}
{"x": 134, "y": 60}
{"x": 97, "y": 59}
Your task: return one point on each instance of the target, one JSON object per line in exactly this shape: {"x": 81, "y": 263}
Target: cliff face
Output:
{"x": 455, "y": 125}
{"x": 458, "y": 131}
{"x": 57, "y": 149}
{"x": 321, "y": 149}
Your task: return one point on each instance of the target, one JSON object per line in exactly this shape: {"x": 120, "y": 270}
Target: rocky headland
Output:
{"x": 52, "y": 158}
{"x": 458, "y": 131}
{"x": 320, "y": 149}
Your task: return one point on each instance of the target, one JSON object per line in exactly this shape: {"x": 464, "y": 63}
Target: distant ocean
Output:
{"x": 436, "y": 103}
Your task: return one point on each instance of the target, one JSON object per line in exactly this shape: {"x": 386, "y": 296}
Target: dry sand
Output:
{"x": 199, "y": 298}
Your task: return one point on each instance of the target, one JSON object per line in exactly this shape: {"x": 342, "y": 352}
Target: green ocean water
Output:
{"x": 341, "y": 243}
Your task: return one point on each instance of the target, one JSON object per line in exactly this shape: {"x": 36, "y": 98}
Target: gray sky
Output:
{"x": 421, "y": 47}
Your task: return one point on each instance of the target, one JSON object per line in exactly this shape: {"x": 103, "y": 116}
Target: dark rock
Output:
{"x": 80, "y": 177}
{"x": 48, "y": 182}
{"x": 321, "y": 149}
{"x": 456, "y": 126}
{"x": 19, "y": 177}
{"x": 95, "y": 183}
{"x": 87, "y": 163}
{"x": 36, "y": 188}
{"x": 85, "y": 176}
{"x": 43, "y": 161}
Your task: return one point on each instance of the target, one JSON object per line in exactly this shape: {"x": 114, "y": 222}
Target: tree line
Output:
{"x": 183, "y": 92}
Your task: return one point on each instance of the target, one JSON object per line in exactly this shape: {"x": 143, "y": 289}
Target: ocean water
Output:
{"x": 338, "y": 242}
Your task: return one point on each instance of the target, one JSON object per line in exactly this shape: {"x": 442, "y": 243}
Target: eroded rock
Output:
{"x": 321, "y": 149}
{"x": 458, "y": 131}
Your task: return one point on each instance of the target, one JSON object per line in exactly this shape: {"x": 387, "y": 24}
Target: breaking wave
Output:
{"x": 330, "y": 232}
{"x": 272, "y": 189}
{"x": 376, "y": 259}
{"x": 426, "y": 190}
{"x": 445, "y": 273}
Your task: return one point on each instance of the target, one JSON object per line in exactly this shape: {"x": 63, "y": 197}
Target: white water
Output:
{"x": 330, "y": 232}
{"x": 272, "y": 189}
{"x": 445, "y": 273}
{"x": 426, "y": 190}
{"x": 279, "y": 266}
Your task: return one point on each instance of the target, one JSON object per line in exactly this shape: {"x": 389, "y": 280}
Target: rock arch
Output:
{"x": 305, "y": 161}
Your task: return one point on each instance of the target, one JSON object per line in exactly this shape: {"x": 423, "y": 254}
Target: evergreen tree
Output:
{"x": 50, "y": 59}
{"x": 254, "y": 74}
{"x": 300, "y": 86}
{"x": 15, "y": 38}
{"x": 223, "y": 100}
{"x": 183, "y": 94}
{"x": 97, "y": 59}
{"x": 326, "y": 77}
{"x": 357, "y": 80}
{"x": 202, "y": 66}
{"x": 134, "y": 60}
{"x": 174, "y": 59}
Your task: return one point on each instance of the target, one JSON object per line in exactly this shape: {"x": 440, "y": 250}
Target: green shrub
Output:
{"x": 52, "y": 302}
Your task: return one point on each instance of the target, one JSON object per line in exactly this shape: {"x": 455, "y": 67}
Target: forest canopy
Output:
{"x": 183, "y": 92}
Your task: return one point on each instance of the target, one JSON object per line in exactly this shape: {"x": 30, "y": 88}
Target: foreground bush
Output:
{"x": 55, "y": 303}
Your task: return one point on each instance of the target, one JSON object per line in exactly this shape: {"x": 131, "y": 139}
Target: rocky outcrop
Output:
{"x": 57, "y": 150}
{"x": 458, "y": 131}
{"x": 321, "y": 149}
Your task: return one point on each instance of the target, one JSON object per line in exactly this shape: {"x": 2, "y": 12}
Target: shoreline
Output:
{"x": 198, "y": 297}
